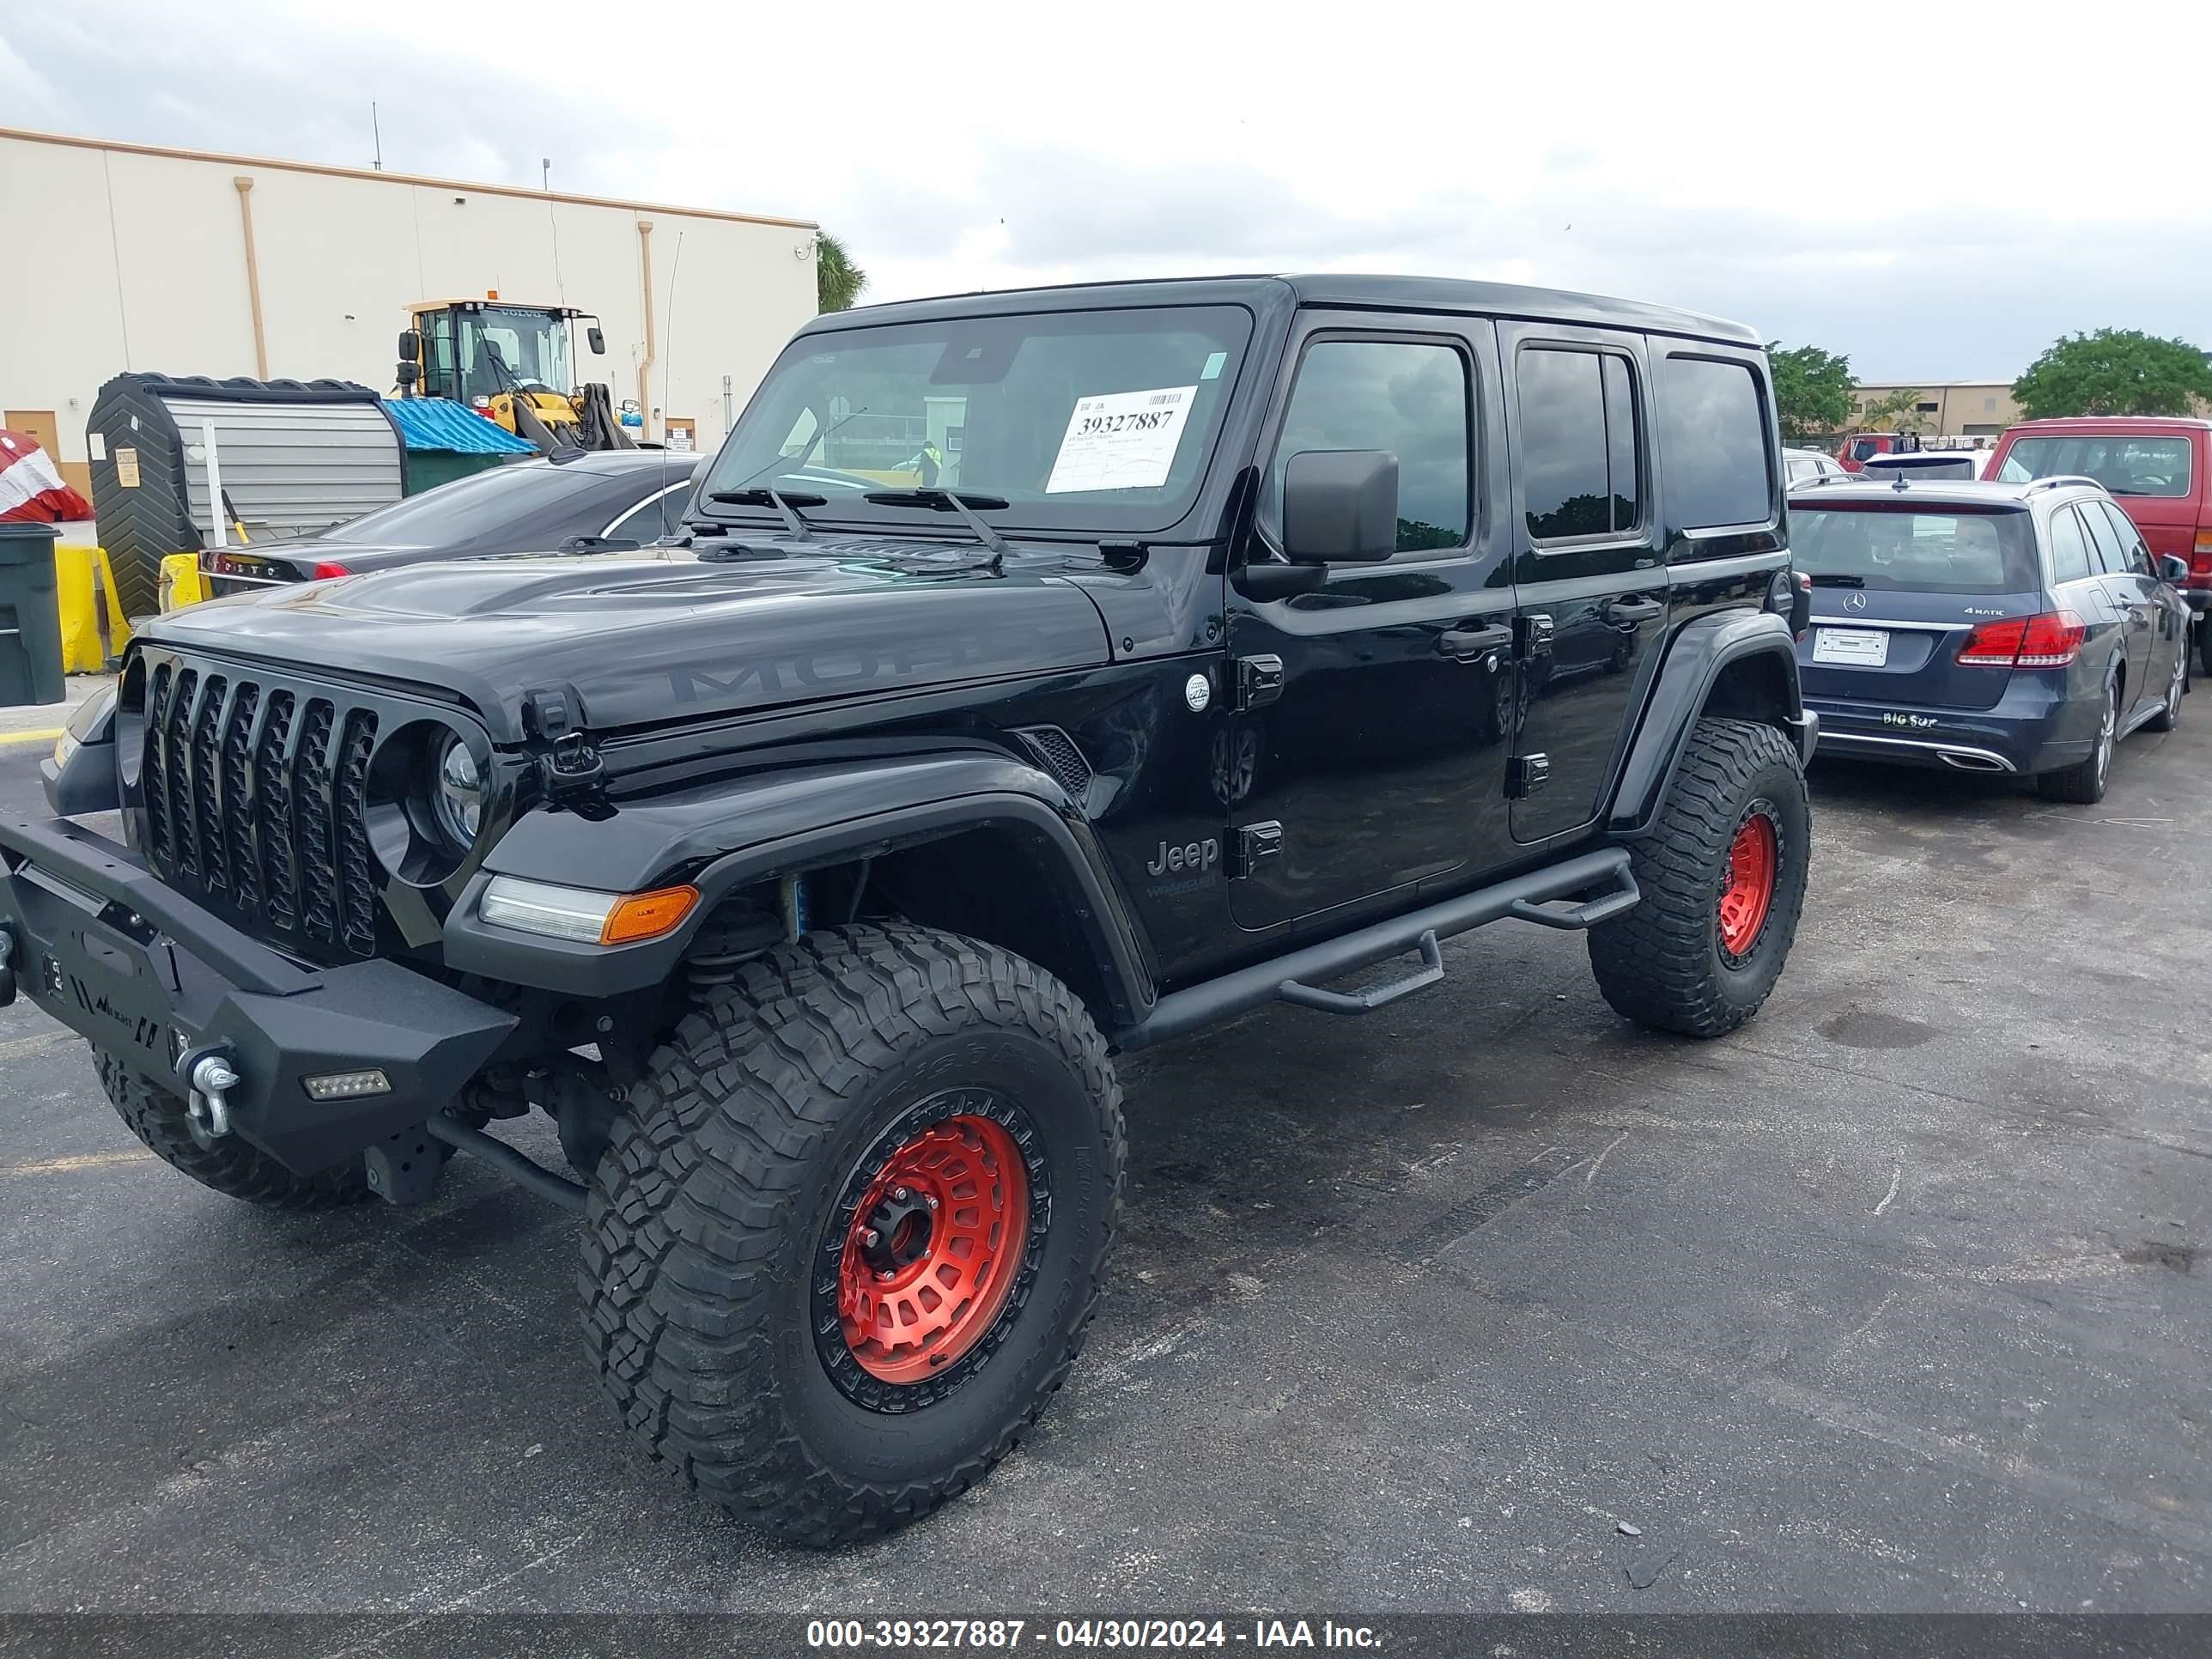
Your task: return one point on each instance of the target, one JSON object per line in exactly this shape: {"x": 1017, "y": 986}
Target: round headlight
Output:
{"x": 458, "y": 793}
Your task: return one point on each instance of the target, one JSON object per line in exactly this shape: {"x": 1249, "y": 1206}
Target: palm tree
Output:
{"x": 838, "y": 281}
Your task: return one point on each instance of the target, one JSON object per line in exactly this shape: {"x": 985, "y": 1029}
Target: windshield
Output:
{"x": 1899, "y": 549}
{"x": 468, "y": 509}
{"x": 2124, "y": 466}
{"x": 457, "y": 345}
{"x": 1076, "y": 420}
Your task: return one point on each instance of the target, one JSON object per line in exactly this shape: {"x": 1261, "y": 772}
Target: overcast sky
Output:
{"x": 1938, "y": 189}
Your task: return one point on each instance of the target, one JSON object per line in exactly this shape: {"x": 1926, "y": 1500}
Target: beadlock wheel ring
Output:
{"x": 930, "y": 1250}
{"x": 1746, "y": 898}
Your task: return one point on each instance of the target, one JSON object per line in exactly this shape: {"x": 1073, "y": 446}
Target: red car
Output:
{"x": 1860, "y": 446}
{"x": 2158, "y": 467}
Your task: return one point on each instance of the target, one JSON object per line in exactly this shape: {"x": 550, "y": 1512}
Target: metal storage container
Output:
{"x": 295, "y": 457}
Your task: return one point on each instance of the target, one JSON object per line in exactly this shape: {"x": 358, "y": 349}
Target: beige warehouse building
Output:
{"x": 1963, "y": 408}
{"x": 130, "y": 256}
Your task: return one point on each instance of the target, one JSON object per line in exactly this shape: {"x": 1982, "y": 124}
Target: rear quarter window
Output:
{"x": 1716, "y": 457}
{"x": 2070, "y": 549}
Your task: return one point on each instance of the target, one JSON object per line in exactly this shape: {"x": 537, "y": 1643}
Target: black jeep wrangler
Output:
{"x": 1047, "y": 674}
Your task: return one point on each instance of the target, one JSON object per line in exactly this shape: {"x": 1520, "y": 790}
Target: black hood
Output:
{"x": 642, "y": 639}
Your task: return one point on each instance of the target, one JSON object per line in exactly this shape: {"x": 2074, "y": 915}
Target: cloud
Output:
{"x": 1904, "y": 206}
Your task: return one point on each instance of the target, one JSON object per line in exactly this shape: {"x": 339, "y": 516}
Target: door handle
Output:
{"x": 1627, "y": 613}
{"x": 1466, "y": 644}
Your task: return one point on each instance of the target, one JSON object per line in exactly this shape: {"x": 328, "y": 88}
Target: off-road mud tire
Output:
{"x": 1662, "y": 965}
{"x": 716, "y": 1206}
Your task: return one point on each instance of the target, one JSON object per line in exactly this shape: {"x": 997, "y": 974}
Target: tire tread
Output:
{"x": 704, "y": 1186}
{"x": 1655, "y": 964}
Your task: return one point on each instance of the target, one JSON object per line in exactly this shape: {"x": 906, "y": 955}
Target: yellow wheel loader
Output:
{"x": 513, "y": 365}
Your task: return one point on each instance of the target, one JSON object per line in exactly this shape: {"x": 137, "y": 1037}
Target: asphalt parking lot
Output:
{"x": 1894, "y": 1300}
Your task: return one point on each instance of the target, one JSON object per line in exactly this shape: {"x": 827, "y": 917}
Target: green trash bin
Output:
{"x": 30, "y": 617}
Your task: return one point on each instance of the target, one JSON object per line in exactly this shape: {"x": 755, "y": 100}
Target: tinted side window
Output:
{"x": 2104, "y": 546}
{"x": 1714, "y": 444}
{"x": 2070, "y": 549}
{"x": 1623, "y": 442}
{"x": 1580, "y": 443}
{"x": 2132, "y": 550}
{"x": 1410, "y": 400}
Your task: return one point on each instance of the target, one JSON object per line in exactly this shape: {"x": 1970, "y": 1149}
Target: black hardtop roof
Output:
{"x": 1436, "y": 294}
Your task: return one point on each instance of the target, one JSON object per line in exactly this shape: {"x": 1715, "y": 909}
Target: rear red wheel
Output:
{"x": 933, "y": 1248}
{"x": 1754, "y": 860}
{"x": 1723, "y": 878}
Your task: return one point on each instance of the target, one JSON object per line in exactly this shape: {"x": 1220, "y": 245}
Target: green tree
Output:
{"x": 1812, "y": 389}
{"x": 2115, "y": 371}
{"x": 1898, "y": 412}
{"x": 838, "y": 281}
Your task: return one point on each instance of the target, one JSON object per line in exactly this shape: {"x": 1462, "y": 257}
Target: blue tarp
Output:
{"x": 441, "y": 424}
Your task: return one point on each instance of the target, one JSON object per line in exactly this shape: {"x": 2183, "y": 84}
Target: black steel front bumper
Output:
{"x": 101, "y": 945}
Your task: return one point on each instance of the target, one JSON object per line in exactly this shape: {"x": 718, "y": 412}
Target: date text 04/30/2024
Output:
{"x": 1115, "y": 1633}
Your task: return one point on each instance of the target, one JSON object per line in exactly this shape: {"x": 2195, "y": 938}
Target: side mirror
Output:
{"x": 1340, "y": 507}
{"x": 596, "y": 341}
{"x": 2173, "y": 568}
{"x": 410, "y": 345}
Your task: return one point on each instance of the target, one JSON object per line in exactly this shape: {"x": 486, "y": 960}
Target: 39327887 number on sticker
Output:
{"x": 1121, "y": 440}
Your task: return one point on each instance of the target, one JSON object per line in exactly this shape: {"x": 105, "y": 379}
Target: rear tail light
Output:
{"x": 2200, "y": 560}
{"x": 325, "y": 570}
{"x": 2049, "y": 641}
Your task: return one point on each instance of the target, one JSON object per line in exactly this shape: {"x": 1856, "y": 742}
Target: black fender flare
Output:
{"x": 1700, "y": 652}
{"x": 736, "y": 832}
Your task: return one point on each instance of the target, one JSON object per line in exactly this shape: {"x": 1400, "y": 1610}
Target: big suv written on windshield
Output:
{"x": 1951, "y": 551}
{"x": 1084, "y": 420}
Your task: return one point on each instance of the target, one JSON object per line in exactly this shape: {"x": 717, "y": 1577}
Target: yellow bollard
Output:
{"x": 181, "y": 582}
{"x": 84, "y": 587}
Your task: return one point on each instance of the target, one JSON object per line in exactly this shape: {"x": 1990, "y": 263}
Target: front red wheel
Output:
{"x": 933, "y": 1248}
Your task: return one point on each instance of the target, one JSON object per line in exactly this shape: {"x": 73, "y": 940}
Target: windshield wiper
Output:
{"x": 947, "y": 501}
{"x": 1837, "y": 578}
{"x": 768, "y": 495}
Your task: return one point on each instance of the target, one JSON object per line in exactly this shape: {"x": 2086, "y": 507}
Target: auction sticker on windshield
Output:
{"x": 1122, "y": 440}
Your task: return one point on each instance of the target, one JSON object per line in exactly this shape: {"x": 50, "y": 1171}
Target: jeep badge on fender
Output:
{"x": 1192, "y": 855}
{"x": 810, "y": 875}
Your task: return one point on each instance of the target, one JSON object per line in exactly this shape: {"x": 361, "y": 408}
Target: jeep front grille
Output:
{"x": 256, "y": 803}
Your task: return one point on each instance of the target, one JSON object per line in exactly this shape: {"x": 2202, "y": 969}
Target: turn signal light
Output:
{"x": 647, "y": 915}
{"x": 583, "y": 914}
{"x": 2050, "y": 640}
